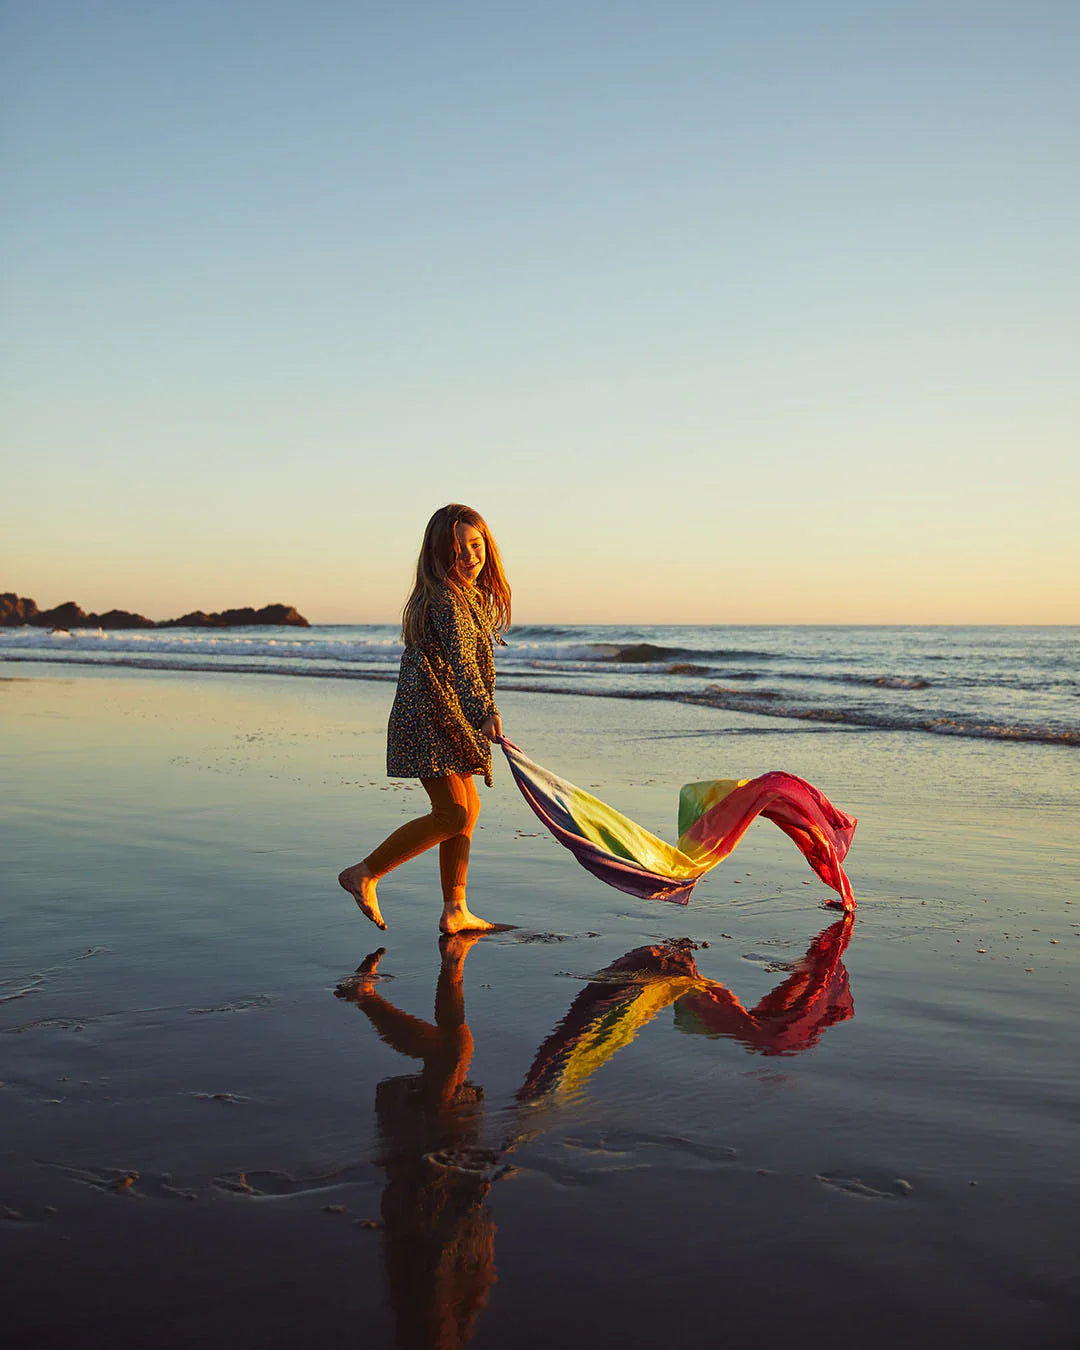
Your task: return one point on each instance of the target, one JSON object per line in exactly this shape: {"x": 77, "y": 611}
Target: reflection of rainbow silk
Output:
{"x": 713, "y": 817}
{"x": 789, "y": 1019}
{"x": 625, "y": 997}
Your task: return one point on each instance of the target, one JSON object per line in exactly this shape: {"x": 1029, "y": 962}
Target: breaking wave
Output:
{"x": 760, "y": 703}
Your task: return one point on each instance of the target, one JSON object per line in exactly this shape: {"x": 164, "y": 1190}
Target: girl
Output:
{"x": 444, "y": 715}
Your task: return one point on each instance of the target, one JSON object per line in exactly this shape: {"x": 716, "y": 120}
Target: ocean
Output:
{"x": 997, "y": 683}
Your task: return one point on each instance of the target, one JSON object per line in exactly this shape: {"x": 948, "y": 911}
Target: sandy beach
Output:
{"x": 202, "y": 1144}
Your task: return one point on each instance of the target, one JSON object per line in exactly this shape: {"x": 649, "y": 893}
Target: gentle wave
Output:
{"x": 763, "y": 703}
{"x": 687, "y": 668}
{"x": 540, "y": 652}
{"x": 230, "y": 666}
{"x": 258, "y": 642}
{"x": 733, "y": 700}
{"x": 754, "y": 694}
{"x": 888, "y": 681}
{"x": 196, "y": 641}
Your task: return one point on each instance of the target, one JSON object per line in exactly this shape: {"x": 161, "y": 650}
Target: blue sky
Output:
{"x": 719, "y": 312}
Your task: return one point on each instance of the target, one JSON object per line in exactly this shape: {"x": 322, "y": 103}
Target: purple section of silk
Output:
{"x": 617, "y": 872}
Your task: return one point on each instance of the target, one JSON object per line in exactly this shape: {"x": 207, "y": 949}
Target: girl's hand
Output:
{"x": 492, "y": 727}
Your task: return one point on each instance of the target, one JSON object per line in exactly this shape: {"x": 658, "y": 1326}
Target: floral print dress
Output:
{"x": 445, "y": 691}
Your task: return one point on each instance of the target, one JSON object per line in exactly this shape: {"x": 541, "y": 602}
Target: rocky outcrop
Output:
{"x": 16, "y": 610}
{"x": 70, "y": 615}
{"x": 67, "y": 615}
{"x": 119, "y": 618}
{"x": 232, "y": 618}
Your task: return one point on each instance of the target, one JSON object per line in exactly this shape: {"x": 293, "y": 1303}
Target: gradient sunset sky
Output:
{"x": 719, "y": 312}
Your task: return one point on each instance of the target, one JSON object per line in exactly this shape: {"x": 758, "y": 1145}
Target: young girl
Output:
{"x": 444, "y": 715}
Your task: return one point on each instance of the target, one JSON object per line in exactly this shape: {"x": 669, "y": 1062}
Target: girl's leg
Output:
{"x": 454, "y": 863}
{"x": 444, "y": 819}
{"x": 453, "y": 813}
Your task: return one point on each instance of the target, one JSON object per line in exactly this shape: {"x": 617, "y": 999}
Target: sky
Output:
{"x": 748, "y": 312}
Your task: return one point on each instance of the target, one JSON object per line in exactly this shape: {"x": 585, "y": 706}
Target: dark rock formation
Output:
{"x": 232, "y": 618}
{"x": 643, "y": 652}
{"x": 67, "y": 615}
{"x": 16, "y": 610}
{"x": 119, "y": 618}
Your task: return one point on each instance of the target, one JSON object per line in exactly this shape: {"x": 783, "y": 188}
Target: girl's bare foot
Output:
{"x": 360, "y": 884}
{"x": 461, "y": 919}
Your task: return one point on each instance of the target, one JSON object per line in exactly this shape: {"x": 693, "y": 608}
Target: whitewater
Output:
{"x": 1000, "y": 683}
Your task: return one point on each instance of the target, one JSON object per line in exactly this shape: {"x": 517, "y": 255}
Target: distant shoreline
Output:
{"x": 16, "y": 610}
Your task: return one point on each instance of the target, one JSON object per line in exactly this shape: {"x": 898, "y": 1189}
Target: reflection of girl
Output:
{"x": 439, "y": 1236}
{"x": 444, "y": 714}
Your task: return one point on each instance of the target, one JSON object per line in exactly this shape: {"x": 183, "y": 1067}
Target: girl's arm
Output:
{"x": 456, "y": 632}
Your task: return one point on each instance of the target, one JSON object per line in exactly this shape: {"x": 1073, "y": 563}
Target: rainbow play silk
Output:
{"x": 713, "y": 817}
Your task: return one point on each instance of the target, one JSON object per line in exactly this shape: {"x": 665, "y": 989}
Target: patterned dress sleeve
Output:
{"x": 457, "y": 634}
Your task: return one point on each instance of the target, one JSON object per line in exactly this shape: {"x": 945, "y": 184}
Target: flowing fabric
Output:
{"x": 713, "y": 817}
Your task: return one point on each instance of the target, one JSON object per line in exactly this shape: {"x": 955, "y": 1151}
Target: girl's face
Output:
{"x": 471, "y": 552}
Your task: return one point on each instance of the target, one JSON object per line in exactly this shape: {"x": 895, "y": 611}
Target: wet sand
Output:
{"x": 212, "y": 1134}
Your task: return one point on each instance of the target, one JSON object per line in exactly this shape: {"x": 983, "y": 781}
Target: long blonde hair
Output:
{"x": 435, "y": 570}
